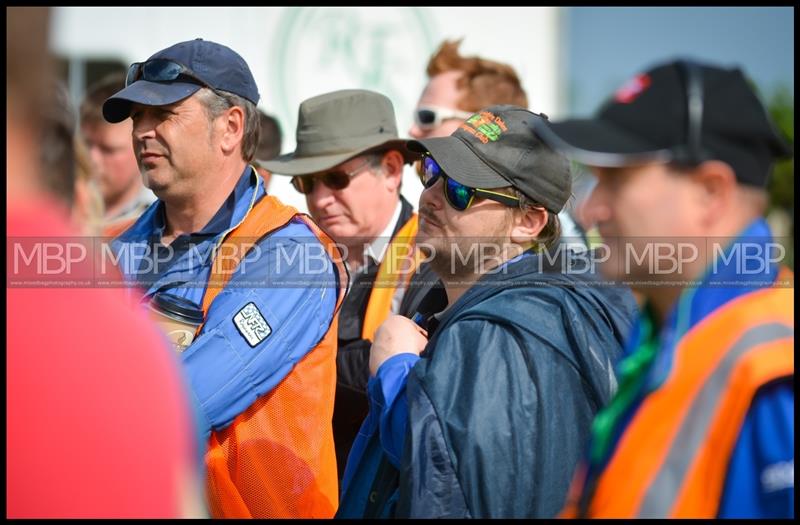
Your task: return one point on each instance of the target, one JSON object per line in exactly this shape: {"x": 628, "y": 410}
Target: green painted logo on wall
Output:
{"x": 318, "y": 50}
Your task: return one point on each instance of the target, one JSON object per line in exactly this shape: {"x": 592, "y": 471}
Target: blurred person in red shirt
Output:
{"x": 98, "y": 420}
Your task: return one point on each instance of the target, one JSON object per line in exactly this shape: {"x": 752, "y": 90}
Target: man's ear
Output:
{"x": 392, "y": 165}
{"x": 527, "y": 224}
{"x": 716, "y": 182}
{"x": 231, "y": 124}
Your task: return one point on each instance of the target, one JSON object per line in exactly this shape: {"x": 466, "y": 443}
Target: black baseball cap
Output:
{"x": 681, "y": 112}
{"x": 497, "y": 147}
{"x": 214, "y": 65}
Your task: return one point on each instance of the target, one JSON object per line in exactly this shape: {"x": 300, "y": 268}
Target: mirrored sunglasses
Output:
{"x": 458, "y": 195}
{"x": 159, "y": 70}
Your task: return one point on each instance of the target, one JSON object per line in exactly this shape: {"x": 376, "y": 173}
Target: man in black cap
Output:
{"x": 501, "y": 385}
{"x": 262, "y": 364}
{"x": 349, "y": 165}
{"x": 702, "y": 425}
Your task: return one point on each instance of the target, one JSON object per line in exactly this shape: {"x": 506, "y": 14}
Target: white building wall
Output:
{"x": 296, "y": 53}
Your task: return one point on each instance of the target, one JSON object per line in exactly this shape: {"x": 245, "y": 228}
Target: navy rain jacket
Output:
{"x": 501, "y": 403}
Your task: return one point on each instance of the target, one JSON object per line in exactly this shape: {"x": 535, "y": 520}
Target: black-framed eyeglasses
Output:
{"x": 459, "y": 196}
{"x": 430, "y": 117}
{"x": 334, "y": 179}
{"x": 159, "y": 70}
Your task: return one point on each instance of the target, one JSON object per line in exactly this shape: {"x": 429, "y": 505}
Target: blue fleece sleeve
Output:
{"x": 388, "y": 415}
{"x": 387, "y": 392}
{"x": 760, "y": 481}
{"x": 277, "y": 306}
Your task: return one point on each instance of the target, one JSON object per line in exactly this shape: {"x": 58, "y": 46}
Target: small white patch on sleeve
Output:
{"x": 251, "y": 324}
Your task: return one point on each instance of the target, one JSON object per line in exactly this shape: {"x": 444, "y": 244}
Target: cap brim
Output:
{"x": 598, "y": 143}
{"x": 289, "y": 164}
{"x": 460, "y": 162}
{"x": 118, "y": 107}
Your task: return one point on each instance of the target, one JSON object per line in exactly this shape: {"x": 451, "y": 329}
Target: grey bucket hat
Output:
{"x": 338, "y": 126}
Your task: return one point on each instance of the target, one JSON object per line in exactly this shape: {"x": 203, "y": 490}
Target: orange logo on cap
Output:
{"x": 484, "y": 126}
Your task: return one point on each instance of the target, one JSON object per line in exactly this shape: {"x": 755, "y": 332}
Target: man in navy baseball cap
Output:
{"x": 179, "y": 71}
{"x": 265, "y": 346}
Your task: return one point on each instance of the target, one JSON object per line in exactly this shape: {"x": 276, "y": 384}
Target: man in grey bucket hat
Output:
{"x": 349, "y": 165}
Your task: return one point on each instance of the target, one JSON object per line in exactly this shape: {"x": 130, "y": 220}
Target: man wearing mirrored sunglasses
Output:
{"x": 348, "y": 163}
{"x": 703, "y": 423}
{"x": 482, "y": 409}
{"x": 262, "y": 364}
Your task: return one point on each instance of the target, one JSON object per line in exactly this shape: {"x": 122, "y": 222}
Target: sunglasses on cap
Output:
{"x": 430, "y": 117}
{"x": 159, "y": 70}
{"x": 335, "y": 179}
{"x": 458, "y": 195}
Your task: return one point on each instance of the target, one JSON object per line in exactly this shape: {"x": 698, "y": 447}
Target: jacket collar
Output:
{"x": 151, "y": 224}
{"x": 735, "y": 269}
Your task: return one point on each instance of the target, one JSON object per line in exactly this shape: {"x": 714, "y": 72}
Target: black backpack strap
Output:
{"x": 385, "y": 485}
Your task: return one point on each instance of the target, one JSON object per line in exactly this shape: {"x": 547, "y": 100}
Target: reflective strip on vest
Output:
{"x": 661, "y": 494}
{"x": 672, "y": 458}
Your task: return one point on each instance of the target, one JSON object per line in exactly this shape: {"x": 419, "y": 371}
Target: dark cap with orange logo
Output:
{"x": 497, "y": 147}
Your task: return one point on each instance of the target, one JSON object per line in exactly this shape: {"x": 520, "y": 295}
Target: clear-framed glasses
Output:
{"x": 430, "y": 117}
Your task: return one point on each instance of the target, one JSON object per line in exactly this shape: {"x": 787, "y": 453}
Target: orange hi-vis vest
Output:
{"x": 277, "y": 458}
{"x": 672, "y": 459}
{"x": 397, "y": 267}
{"x": 116, "y": 228}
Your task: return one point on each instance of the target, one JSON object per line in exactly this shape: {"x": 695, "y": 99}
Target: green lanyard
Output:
{"x": 632, "y": 373}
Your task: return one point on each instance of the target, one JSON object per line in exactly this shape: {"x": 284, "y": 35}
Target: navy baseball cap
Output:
{"x": 177, "y": 72}
{"x": 680, "y": 112}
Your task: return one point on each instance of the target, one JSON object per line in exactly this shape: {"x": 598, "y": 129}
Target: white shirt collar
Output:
{"x": 377, "y": 248}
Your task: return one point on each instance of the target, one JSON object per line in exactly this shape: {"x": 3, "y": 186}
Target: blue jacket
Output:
{"x": 282, "y": 277}
{"x": 760, "y": 480}
{"x": 493, "y": 417}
